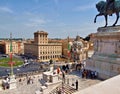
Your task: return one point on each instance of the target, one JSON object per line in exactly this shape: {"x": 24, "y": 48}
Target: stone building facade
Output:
{"x": 81, "y": 49}
{"x": 17, "y": 46}
{"x": 41, "y": 49}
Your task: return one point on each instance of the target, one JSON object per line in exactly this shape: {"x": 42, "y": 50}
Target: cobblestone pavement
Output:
{"x": 23, "y": 88}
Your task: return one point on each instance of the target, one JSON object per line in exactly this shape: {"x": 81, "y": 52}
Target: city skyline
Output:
{"x": 60, "y": 18}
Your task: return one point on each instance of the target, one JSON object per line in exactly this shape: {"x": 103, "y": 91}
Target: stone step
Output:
{"x": 69, "y": 88}
{"x": 66, "y": 89}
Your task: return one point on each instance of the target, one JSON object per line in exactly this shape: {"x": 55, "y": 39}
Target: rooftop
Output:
{"x": 41, "y": 32}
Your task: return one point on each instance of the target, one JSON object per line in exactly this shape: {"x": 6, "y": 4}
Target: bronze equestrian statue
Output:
{"x": 108, "y": 8}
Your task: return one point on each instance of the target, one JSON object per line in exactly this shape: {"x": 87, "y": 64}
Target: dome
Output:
{"x": 78, "y": 43}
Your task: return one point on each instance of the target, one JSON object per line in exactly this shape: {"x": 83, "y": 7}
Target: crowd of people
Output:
{"x": 28, "y": 79}
{"x": 89, "y": 74}
{"x": 65, "y": 68}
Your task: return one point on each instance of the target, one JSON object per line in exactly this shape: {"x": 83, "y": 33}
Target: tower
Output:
{"x": 40, "y": 37}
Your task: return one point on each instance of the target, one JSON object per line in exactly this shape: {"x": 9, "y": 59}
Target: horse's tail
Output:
{"x": 101, "y": 6}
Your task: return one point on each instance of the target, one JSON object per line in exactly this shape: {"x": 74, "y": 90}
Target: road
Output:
{"x": 29, "y": 67}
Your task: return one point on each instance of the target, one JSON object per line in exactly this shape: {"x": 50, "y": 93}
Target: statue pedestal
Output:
{"x": 50, "y": 81}
{"x": 12, "y": 82}
{"x": 106, "y": 57}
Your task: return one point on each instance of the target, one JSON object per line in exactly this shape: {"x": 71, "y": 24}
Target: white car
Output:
{"x": 18, "y": 69}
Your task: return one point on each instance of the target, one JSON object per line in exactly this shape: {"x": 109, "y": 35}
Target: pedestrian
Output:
{"x": 58, "y": 70}
{"x": 68, "y": 81}
{"x": 96, "y": 74}
{"x": 76, "y": 84}
{"x": 63, "y": 76}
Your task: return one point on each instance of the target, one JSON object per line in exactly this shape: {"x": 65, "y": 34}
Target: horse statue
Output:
{"x": 101, "y": 7}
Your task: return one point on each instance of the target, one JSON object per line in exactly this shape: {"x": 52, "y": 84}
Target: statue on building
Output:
{"x": 106, "y": 8}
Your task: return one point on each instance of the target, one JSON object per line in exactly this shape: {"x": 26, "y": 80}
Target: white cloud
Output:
{"x": 36, "y": 22}
{"x": 6, "y": 9}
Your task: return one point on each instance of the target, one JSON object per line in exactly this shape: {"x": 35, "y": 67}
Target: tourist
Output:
{"x": 83, "y": 74}
{"x": 63, "y": 67}
{"x": 63, "y": 76}
{"x": 20, "y": 80}
{"x": 96, "y": 74}
{"x": 76, "y": 84}
{"x": 92, "y": 74}
{"x": 28, "y": 80}
{"x": 5, "y": 84}
{"x": 58, "y": 70}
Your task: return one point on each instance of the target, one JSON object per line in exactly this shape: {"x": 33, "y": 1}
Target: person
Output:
{"x": 5, "y": 83}
{"x": 96, "y": 74}
{"x": 109, "y": 3}
{"x": 63, "y": 76}
{"x": 76, "y": 84}
{"x": 58, "y": 70}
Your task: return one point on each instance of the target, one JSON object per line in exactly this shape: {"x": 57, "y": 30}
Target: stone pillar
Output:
{"x": 105, "y": 59}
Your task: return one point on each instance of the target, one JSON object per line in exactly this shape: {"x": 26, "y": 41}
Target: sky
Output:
{"x": 60, "y": 18}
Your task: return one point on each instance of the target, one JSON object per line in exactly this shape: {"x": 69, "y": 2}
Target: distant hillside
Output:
{"x": 12, "y": 39}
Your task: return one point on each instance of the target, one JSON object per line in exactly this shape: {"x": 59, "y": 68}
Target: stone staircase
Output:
{"x": 66, "y": 89}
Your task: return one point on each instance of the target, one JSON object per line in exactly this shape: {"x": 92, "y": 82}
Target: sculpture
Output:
{"x": 107, "y": 8}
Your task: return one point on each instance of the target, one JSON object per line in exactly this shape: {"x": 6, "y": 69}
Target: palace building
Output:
{"x": 41, "y": 49}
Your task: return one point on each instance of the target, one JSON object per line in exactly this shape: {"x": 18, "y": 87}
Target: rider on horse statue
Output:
{"x": 108, "y": 8}
{"x": 110, "y": 5}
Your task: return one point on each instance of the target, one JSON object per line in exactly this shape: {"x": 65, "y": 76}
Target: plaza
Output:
{"x": 24, "y": 88}
{"x": 31, "y": 62}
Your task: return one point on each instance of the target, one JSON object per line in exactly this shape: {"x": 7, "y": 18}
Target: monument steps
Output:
{"x": 65, "y": 88}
